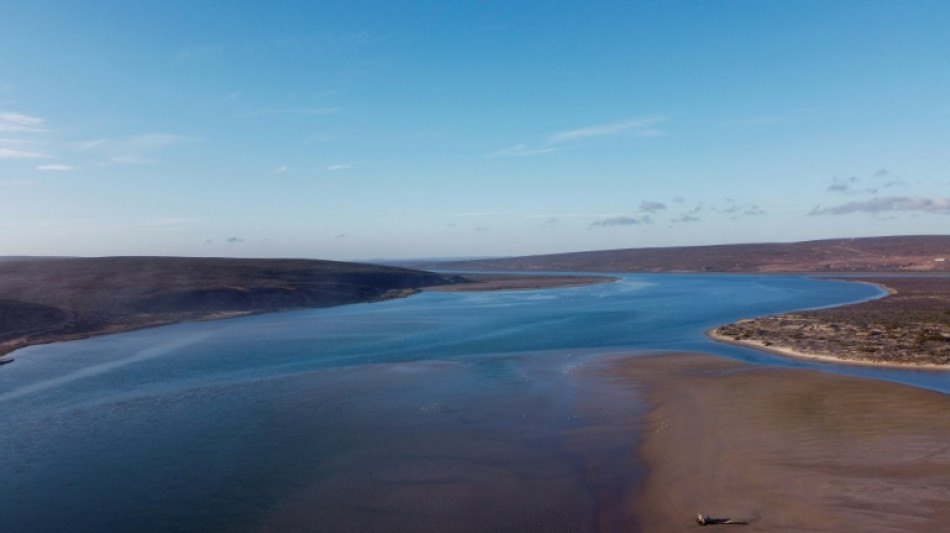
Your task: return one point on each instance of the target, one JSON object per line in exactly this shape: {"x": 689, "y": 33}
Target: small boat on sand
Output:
{"x": 708, "y": 520}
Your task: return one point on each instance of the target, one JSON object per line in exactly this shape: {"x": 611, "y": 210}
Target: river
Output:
{"x": 438, "y": 412}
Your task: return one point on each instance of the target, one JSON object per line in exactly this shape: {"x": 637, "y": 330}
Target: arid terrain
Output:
{"x": 909, "y": 327}
{"x": 920, "y": 253}
{"x": 45, "y": 299}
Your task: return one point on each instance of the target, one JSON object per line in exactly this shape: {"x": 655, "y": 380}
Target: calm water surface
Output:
{"x": 440, "y": 412}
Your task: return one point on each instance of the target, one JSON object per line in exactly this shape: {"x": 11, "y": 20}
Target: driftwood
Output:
{"x": 708, "y": 521}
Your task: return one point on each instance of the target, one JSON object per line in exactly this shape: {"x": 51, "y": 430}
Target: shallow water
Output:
{"x": 440, "y": 412}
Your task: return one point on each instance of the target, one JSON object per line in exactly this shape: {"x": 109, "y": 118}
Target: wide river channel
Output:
{"x": 438, "y": 412}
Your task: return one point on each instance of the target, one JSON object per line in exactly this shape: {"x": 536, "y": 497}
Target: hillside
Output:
{"x": 919, "y": 253}
{"x": 44, "y": 299}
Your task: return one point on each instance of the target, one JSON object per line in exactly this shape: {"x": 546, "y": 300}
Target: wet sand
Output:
{"x": 629, "y": 443}
{"x": 540, "y": 446}
{"x": 787, "y": 449}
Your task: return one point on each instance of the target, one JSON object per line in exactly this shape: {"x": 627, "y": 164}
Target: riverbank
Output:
{"x": 908, "y": 328}
{"x": 786, "y": 449}
{"x": 92, "y": 297}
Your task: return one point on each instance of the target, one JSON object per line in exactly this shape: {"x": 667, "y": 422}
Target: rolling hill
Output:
{"x": 44, "y": 299}
{"x": 918, "y": 253}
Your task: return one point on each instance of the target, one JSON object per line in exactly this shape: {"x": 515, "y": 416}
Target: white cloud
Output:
{"x": 134, "y": 150}
{"x": 520, "y": 150}
{"x": 640, "y": 128}
{"x": 20, "y": 122}
{"x": 14, "y": 153}
{"x": 20, "y": 143}
{"x": 637, "y": 128}
{"x": 339, "y": 166}
{"x": 55, "y": 167}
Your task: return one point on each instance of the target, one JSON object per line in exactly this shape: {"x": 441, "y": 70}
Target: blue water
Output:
{"x": 440, "y": 412}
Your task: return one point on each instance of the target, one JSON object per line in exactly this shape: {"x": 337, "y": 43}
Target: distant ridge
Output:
{"x": 916, "y": 253}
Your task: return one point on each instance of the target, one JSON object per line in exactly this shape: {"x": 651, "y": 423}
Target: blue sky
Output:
{"x": 359, "y": 130}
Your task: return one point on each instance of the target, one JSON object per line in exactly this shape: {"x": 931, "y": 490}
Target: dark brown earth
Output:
{"x": 46, "y": 299}
{"x": 909, "y": 327}
{"x": 919, "y": 253}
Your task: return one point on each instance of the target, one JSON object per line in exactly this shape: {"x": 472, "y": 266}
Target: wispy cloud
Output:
{"x": 742, "y": 209}
{"x": 55, "y": 167}
{"x": 622, "y": 221}
{"x": 888, "y": 204}
{"x": 639, "y": 128}
{"x": 690, "y": 215}
{"x": 134, "y": 150}
{"x": 21, "y": 139}
{"x": 854, "y": 185}
{"x": 686, "y": 217}
{"x": 10, "y": 121}
{"x": 339, "y": 166}
{"x": 15, "y": 153}
{"x": 234, "y": 240}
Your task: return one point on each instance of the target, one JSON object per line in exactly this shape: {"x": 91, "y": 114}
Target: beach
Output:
{"x": 787, "y": 449}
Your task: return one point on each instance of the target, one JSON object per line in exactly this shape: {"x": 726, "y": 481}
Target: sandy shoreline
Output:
{"x": 822, "y": 358}
{"x": 907, "y": 328}
{"x": 788, "y": 450}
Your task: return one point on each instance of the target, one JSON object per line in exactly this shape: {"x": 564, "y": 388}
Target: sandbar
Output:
{"x": 787, "y": 449}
